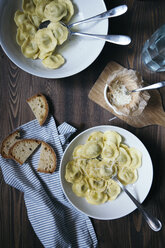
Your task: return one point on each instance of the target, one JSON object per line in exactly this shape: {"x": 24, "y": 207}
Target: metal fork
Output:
{"x": 153, "y": 222}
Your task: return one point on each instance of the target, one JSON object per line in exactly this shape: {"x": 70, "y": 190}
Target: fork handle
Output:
{"x": 152, "y": 221}
{"x": 116, "y": 39}
{"x": 117, "y": 11}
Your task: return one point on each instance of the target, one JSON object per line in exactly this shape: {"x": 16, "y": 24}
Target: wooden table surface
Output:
{"x": 68, "y": 99}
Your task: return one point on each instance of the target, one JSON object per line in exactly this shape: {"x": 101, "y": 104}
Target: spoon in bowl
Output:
{"x": 116, "y": 39}
{"x": 117, "y": 11}
{"x": 153, "y": 222}
{"x": 150, "y": 87}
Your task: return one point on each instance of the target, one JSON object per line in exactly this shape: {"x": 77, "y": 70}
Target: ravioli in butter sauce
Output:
{"x": 96, "y": 162}
{"x": 42, "y": 43}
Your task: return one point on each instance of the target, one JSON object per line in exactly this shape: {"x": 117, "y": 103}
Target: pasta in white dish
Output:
{"x": 96, "y": 162}
{"x": 28, "y": 36}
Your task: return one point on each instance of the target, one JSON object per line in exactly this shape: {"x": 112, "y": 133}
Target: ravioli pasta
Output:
{"x": 43, "y": 43}
{"x": 53, "y": 61}
{"x": 95, "y": 163}
{"x": 55, "y": 11}
{"x": 29, "y": 48}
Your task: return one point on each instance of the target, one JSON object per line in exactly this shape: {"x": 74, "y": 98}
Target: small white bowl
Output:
{"x": 109, "y": 104}
{"x": 78, "y": 52}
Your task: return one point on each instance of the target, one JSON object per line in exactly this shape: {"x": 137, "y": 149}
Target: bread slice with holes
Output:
{"x": 39, "y": 106}
{"x": 8, "y": 142}
{"x": 47, "y": 161}
{"x": 22, "y": 149}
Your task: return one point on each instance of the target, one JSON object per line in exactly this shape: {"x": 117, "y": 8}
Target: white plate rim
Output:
{"x": 101, "y": 128}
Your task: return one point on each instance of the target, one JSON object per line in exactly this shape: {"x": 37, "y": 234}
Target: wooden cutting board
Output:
{"x": 152, "y": 114}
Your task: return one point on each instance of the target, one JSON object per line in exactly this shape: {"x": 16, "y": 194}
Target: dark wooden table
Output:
{"x": 69, "y": 102}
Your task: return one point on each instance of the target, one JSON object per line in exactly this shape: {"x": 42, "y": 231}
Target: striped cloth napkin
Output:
{"x": 54, "y": 220}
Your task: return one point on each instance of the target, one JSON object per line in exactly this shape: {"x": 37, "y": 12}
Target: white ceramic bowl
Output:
{"x": 109, "y": 104}
{"x": 79, "y": 52}
{"x": 122, "y": 205}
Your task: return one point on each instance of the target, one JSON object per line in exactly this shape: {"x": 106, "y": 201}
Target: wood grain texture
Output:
{"x": 152, "y": 114}
{"x": 68, "y": 100}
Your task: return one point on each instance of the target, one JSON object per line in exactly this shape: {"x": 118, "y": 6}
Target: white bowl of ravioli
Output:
{"x": 74, "y": 55}
{"x": 88, "y": 184}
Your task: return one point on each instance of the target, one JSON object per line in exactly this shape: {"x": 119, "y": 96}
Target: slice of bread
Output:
{"x": 8, "y": 142}
{"x": 39, "y": 106}
{"x": 47, "y": 161}
{"x": 22, "y": 149}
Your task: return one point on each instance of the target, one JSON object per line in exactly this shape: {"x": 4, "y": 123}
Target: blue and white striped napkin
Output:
{"x": 54, "y": 220}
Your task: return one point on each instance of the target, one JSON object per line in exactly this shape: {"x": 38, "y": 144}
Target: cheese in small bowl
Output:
{"x": 118, "y": 96}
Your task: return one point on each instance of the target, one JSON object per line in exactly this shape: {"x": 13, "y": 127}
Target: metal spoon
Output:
{"x": 150, "y": 87}
{"x": 153, "y": 222}
{"x": 117, "y": 11}
{"x": 116, "y": 39}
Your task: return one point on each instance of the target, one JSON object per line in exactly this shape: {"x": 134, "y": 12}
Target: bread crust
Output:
{"x": 30, "y": 99}
{"x": 54, "y": 158}
{"x": 22, "y": 141}
{"x": 15, "y": 152}
{"x": 2, "y": 152}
